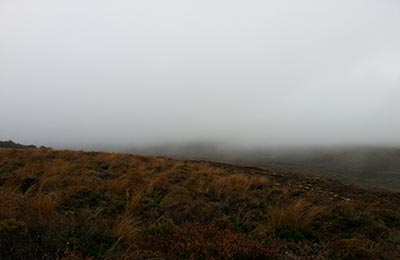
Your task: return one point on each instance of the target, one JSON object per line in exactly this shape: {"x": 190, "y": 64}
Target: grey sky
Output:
{"x": 81, "y": 72}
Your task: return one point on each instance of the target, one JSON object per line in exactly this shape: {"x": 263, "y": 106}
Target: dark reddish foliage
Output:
{"x": 196, "y": 241}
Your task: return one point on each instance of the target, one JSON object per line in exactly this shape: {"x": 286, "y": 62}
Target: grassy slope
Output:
{"x": 376, "y": 167}
{"x": 86, "y": 205}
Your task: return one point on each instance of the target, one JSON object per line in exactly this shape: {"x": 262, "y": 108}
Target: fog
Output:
{"x": 81, "y": 73}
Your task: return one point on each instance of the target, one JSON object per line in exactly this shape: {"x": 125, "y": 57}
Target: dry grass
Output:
{"x": 260, "y": 182}
{"x": 232, "y": 184}
{"x": 9, "y": 197}
{"x": 87, "y": 205}
{"x": 134, "y": 203}
{"x": 45, "y": 205}
{"x": 298, "y": 214}
{"x": 126, "y": 227}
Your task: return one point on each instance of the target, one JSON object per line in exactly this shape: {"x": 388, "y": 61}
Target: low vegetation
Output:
{"x": 87, "y": 205}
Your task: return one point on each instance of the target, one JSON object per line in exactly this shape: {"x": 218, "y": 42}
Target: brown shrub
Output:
{"x": 195, "y": 241}
{"x": 12, "y": 239}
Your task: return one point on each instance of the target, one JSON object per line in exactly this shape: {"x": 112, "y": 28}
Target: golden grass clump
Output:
{"x": 298, "y": 214}
{"x": 259, "y": 182}
{"x": 126, "y": 227}
{"x": 232, "y": 184}
{"x": 134, "y": 202}
{"x": 157, "y": 182}
{"x": 45, "y": 205}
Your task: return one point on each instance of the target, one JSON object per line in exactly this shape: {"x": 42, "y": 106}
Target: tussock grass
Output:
{"x": 298, "y": 214}
{"x": 89, "y": 205}
{"x": 126, "y": 227}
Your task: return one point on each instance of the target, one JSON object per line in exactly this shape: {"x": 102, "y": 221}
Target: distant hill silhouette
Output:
{"x": 13, "y": 145}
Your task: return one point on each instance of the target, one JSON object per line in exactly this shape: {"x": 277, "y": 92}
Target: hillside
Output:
{"x": 88, "y": 205}
{"x": 375, "y": 167}
{"x": 11, "y": 144}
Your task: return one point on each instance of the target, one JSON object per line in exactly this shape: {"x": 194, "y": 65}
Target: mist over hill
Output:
{"x": 369, "y": 166}
{"x": 366, "y": 166}
{"x": 147, "y": 73}
{"x": 179, "y": 129}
